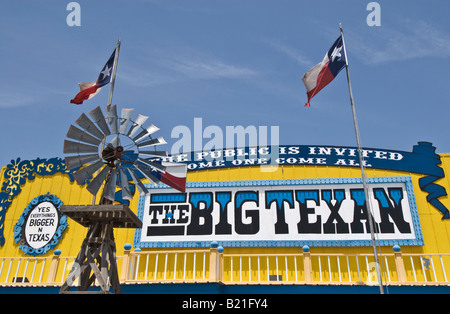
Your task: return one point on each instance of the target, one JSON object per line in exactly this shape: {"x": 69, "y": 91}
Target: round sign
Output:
{"x": 40, "y": 226}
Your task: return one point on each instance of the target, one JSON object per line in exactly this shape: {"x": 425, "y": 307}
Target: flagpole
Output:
{"x": 363, "y": 170}
{"x": 113, "y": 78}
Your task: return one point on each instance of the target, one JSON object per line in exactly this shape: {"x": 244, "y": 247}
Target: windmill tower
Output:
{"x": 113, "y": 151}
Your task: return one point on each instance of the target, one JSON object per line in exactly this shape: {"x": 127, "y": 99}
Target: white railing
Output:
{"x": 14, "y": 270}
{"x": 396, "y": 268}
{"x": 427, "y": 268}
{"x": 212, "y": 265}
{"x": 246, "y": 268}
{"x": 160, "y": 266}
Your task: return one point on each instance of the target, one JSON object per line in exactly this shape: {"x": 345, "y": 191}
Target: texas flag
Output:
{"x": 324, "y": 72}
{"x": 90, "y": 89}
{"x": 175, "y": 175}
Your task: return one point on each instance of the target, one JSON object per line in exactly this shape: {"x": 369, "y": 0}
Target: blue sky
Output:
{"x": 229, "y": 63}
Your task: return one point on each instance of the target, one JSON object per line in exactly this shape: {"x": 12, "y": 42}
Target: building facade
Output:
{"x": 285, "y": 219}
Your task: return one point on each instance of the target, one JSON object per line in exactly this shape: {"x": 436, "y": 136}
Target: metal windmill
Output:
{"x": 113, "y": 150}
{"x": 114, "y": 147}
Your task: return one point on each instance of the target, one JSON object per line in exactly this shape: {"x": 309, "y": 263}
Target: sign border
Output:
{"x": 418, "y": 241}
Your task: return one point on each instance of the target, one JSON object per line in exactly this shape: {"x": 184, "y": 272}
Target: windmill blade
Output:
{"x": 158, "y": 153}
{"x": 141, "y": 188}
{"x": 155, "y": 165}
{"x": 110, "y": 187}
{"x": 97, "y": 115}
{"x": 140, "y": 119}
{"x": 147, "y": 132}
{"x": 79, "y": 135}
{"x": 73, "y": 162}
{"x": 105, "y": 163}
{"x": 78, "y": 148}
{"x": 115, "y": 142}
{"x": 125, "y": 118}
{"x": 111, "y": 119}
{"x": 126, "y": 192}
{"x": 147, "y": 173}
{"x": 128, "y": 157}
{"x": 95, "y": 184}
{"x": 86, "y": 173}
{"x": 85, "y": 123}
{"x": 153, "y": 142}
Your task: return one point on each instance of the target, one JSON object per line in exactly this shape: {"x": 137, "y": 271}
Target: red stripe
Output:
{"x": 84, "y": 94}
{"x": 323, "y": 79}
{"x": 175, "y": 182}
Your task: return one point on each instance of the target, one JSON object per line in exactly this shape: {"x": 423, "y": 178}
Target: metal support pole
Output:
{"x": 363, "y": 171}
{"x": 113, "y": 78}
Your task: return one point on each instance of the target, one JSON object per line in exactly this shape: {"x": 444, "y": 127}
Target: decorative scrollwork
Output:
{"x": 17, "y": 173}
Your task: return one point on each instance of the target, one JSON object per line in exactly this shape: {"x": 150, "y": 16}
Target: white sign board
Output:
{"x": 317, "y": 212}
{"x": 41, "y": 225}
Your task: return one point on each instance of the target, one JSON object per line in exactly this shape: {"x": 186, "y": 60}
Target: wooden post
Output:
{"x": 399, "y": 265}
{"x": 53, "y": 267}
{"x": 213, "y": 262}
{"x": 220, "y": 264}
{"x": 307, "y": 265}
{"x": 125, "y": 262}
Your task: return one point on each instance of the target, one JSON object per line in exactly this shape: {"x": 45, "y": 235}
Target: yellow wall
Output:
{"x": 436, "y": 232}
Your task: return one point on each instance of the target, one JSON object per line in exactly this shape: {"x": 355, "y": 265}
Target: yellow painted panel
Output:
{"x": 436, "y": 232}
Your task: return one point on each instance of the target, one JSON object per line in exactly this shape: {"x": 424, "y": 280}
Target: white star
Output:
{"x": 336, "y": 53}
{"x": 106, "y": 71}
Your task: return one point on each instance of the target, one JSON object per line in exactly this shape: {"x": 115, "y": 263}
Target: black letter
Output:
{"x": 280, "y": 197}
{"x": 395, "y": 212}
{"x": 360, "y": 212}
{"x": 304, "y": 226}
{"x": 155, "y": 209}
{"x": 223, "y": 227}
{"x": 329, "y": 226}
{"x": 195, "y": 228}
{"x": 239, "y": 199}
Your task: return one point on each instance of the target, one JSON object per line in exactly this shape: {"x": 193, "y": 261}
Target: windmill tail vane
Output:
{"x": 118, "y": 149}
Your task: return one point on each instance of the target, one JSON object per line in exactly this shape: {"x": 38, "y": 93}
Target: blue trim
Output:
{"x": 418, "y": 241}
{"x": 286, "y": 294}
